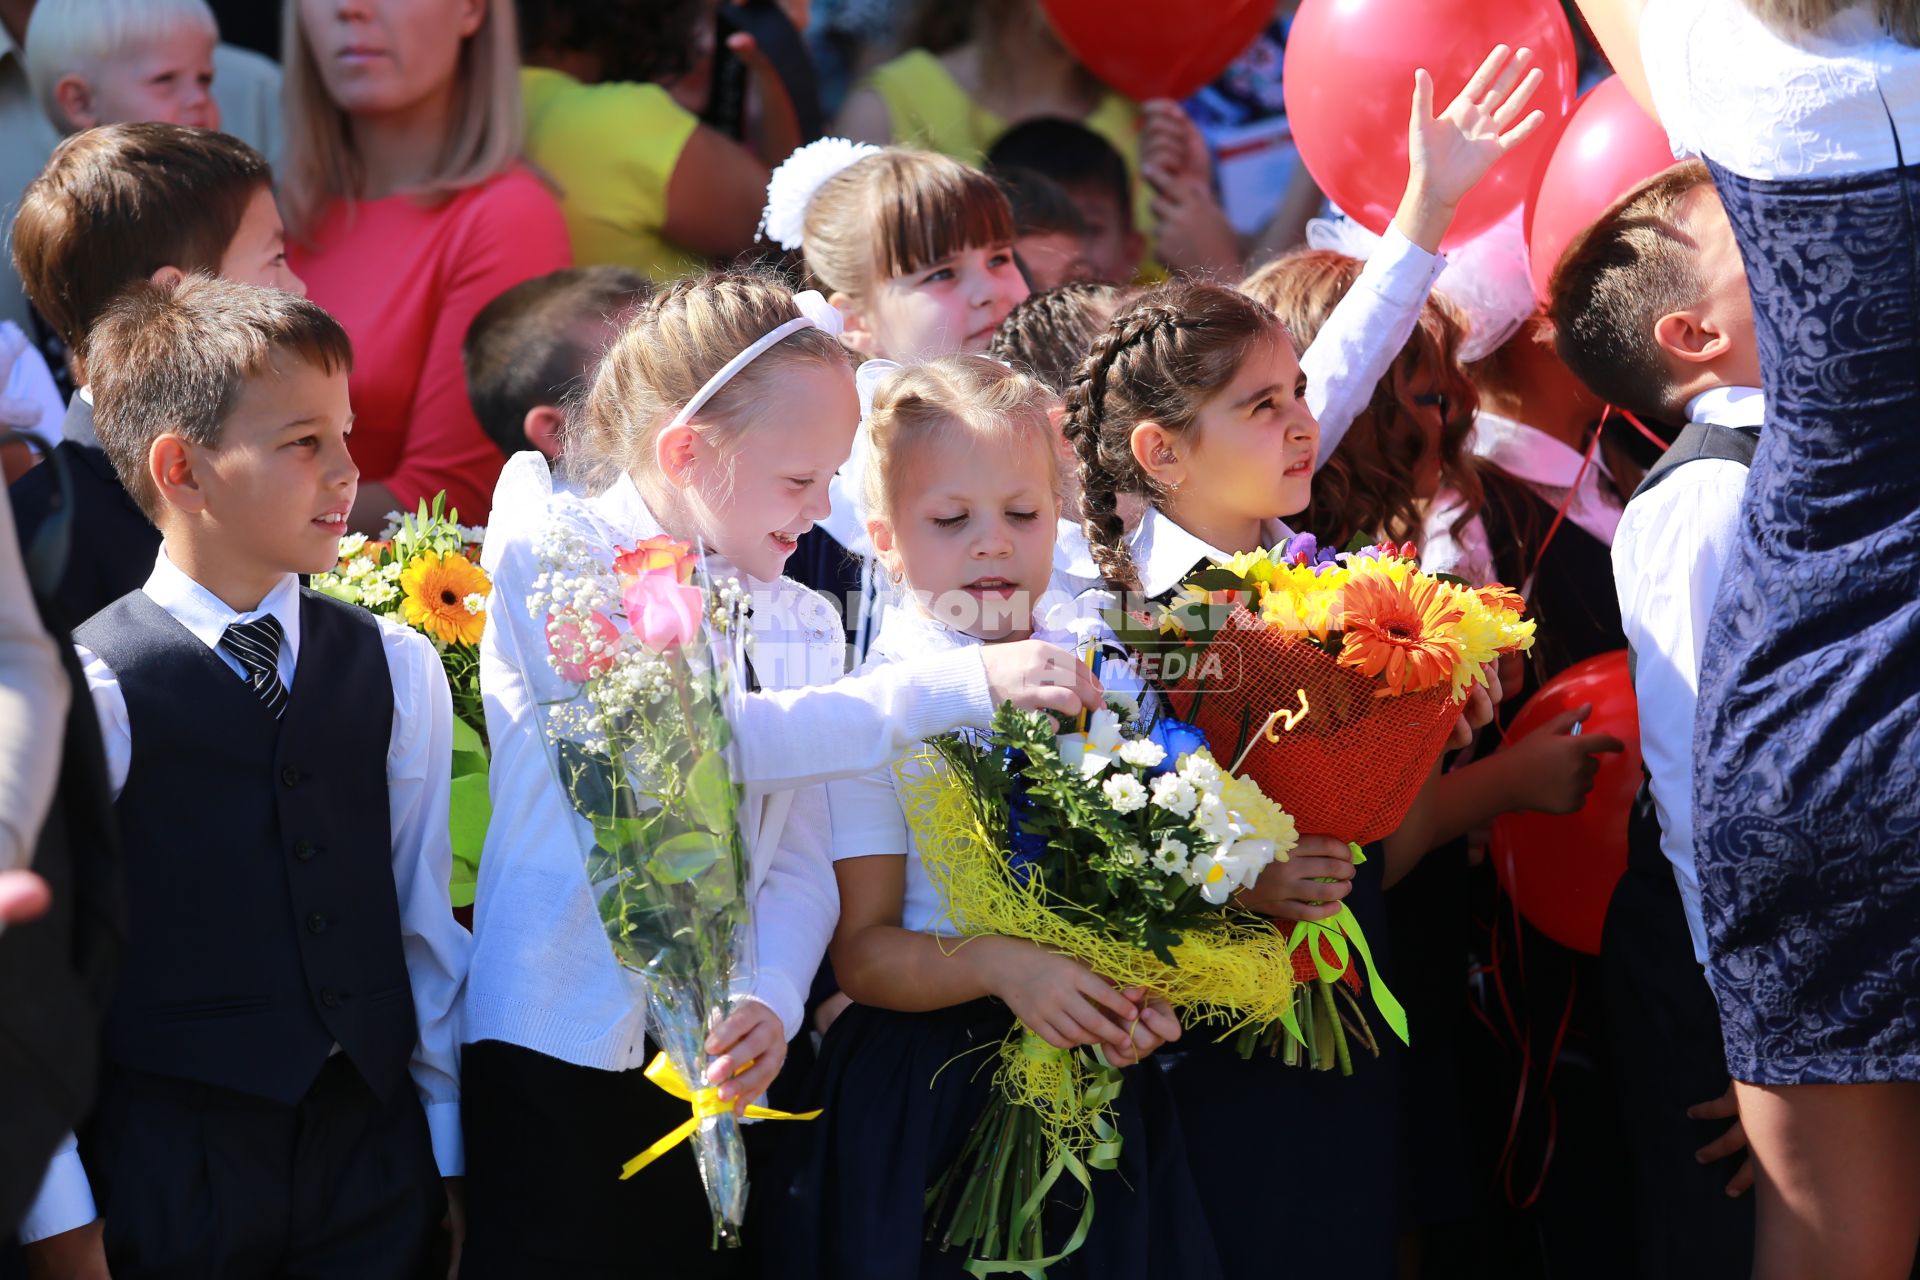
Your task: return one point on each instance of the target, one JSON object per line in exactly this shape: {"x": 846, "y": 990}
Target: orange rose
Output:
{"x": 662, "y": 556}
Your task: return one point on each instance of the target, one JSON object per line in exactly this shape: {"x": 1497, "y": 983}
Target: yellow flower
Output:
{"x": 1268, "y": 820}
{"x": 1482, "y": 635}
{"x": 1295, "y": 613}
{"x": 1405, "y": 632}
{"x": 1254, "y": 566}
{"x": 437, "y": 587}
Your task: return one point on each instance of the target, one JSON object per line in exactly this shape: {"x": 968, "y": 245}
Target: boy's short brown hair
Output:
{"x": 1635, "y": 264}
{"x": 525, "y": 348}
{"x": 173, "y": 359}
{"x": 117, "y": 203}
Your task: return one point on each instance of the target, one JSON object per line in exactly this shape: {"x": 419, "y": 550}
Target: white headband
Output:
{"x": 791, "y": 187}
{"x": 815, "y": 313}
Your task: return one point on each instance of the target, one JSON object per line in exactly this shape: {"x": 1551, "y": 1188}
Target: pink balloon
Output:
{"x": 1607, "y": 148}
{"x": 1349, "y": 84}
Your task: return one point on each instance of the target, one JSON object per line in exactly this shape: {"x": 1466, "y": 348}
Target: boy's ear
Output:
{"x": 167, "y": 277}
{"x": 676, "y": 451}
{"x": 1691, "y": 338}
{"x": 856, "y": 335}
{"x": 1154, "y": 451}
{"x": 170, "y": 466}
{"x": 542, "y": 427}
{"x": 74, "y": 97}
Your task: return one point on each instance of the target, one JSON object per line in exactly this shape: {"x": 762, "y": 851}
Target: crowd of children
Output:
{"x": 964, "y": 409}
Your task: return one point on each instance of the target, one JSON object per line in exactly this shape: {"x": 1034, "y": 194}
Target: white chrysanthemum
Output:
{"x": 1212, "y": 816}
{"x": 1134, "y": 854}
{"x": 793, "y": 184}
{"x": 1124, "y": 793}
{"x": 1175, "y": 794}
{"x": 475, "y": 602}
{"x": 1143, "y": 753}
{"x": 1171, "y": 857}
{"x": 351, "y": 544}
{"x": 1199, "y": 769}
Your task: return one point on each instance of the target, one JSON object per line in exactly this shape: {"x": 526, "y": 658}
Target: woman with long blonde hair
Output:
{"x": 409, "y": 210}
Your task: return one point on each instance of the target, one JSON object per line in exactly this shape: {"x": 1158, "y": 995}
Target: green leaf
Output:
{"x": 684, "y": 857}
{"x": 711, "y": 798}
{"x": 467, "y": 817}
{"x": 1218, "y": 579}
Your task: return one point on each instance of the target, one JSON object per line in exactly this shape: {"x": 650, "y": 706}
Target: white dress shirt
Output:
{"x": 419, "y": 764}
{"x": 1673, "y": 544}
{"x": 1728, "y": 86}
{"x": 544, "y": 976}
{"x": 1164, "y": 554}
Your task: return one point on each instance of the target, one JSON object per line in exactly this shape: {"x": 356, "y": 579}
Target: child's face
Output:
{"x": 1248, "y": 456}
{"x": 752, "y": 504}
{"x": 258, "y": 251}
{"x": 169, "y": 80}
{"x": 972, "y": 530}
{"x": 1054, "y": 258}
{"x": 949, "y": 308}
{"x": 274, "y": 494}
{"x": 1113, "y": 246}
{"x": 378, "y": 56}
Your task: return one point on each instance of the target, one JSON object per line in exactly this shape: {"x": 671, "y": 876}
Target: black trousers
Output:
{"x": 198, "y": 1182}
{"x": 1665, "y": 1030}
{"x": 545, "y": 1142}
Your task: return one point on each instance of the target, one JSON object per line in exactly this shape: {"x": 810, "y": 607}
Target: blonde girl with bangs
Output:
{"x": 409, "y": 209}
{"x": 718, "y": 415}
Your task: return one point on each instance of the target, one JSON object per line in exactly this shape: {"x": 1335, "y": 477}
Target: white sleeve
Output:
{"x": 65, "y": 1198}
{"x": 1666, "y": 29}
{"x": 34, "y": 696}
{"x": 795, "y": 737}
{"x": 1360, "y": 339}
{"x": 865, "y": 817}
{"x": 794, "y": 913}
{"x": 436, "y": 948}
{"x": 110, "y": 706}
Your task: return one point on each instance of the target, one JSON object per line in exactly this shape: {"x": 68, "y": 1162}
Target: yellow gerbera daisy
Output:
{"x": 436, "y": 588}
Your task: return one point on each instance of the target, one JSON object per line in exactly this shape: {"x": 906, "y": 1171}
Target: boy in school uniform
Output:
{"x": 117, "y": 204}
{"x": 281, "y": 764}
{"x": 1651, "y": 310}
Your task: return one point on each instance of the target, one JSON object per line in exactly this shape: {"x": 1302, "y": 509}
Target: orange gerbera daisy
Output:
{"x": 438, "y": 591}
{"x": 1401, "y": 631}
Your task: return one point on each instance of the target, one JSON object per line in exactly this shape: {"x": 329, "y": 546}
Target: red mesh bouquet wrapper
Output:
{"x": 1349, "y": 764}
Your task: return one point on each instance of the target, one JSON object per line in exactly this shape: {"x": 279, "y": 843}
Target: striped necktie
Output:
{"x": 257, "y": 645}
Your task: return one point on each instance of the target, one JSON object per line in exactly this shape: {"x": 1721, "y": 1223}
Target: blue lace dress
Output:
{"x": 1807, "y": 737}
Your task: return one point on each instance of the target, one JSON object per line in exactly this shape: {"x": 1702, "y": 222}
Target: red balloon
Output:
{"x": 1561, "y": 869}
{"x": 1146, "y": 49}
{"x": 1349, "y": 86}
{"x": 1609, "y": 145}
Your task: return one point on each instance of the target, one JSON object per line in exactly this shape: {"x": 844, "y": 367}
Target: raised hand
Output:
{"x": 1451, "y": 151}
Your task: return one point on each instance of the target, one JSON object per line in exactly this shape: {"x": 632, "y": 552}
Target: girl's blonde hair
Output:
{"x": 675, "y": 342}
{"x": 1899, "y": 17}
{"x": 898, "y": 211}
{"x": 1367, "y": 486}
{"x": 974, "y": 394}
{"x": 320, "y": 163}
{"x": 73, "y": 37}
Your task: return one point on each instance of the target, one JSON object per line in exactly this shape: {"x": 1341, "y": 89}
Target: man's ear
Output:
{"x": 170, "y": 466}
{"x": 856, "y": 336}
{"x": 1690, "y": 337}
{"x": 542, "y": 427}
{"x": 74, "y": 97}
{"x": 1155, "y": 452}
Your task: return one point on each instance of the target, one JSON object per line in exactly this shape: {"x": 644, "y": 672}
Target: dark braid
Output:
{"x": 1159, "y": 360}
{"x": 1049, "y": 333}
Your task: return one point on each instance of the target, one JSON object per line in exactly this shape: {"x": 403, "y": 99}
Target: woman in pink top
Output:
{"x": 410, "y": 210}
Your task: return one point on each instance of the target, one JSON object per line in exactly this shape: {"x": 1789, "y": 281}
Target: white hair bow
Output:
{"x": 793, "y": 184}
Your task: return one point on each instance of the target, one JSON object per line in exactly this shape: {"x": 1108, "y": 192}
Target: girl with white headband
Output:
{"x": 720, "y": 414}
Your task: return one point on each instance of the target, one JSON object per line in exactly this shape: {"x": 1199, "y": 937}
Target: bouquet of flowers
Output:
{"x": 423, "y": 572}
{"x": 1119, "y": 845}
{"x": 653, "y": 650}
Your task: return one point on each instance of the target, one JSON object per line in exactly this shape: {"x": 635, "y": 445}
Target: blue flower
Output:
{"x": 1029, "y": 847}
{"x": 1177, "y": 738}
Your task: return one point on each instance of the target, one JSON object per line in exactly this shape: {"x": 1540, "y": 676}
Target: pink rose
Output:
{"x": 664, "y": 614}
{"x": 570, "y": 641}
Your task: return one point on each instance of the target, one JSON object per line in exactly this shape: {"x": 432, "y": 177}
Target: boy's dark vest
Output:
{"x": 264, "y": 925}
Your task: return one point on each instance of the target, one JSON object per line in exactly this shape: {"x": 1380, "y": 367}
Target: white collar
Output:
{"x": 208, "y": 616}
{"x": 1729, "y": 407}
{"x": 1165, "y": 554}
{"x": 1528, "y": 453}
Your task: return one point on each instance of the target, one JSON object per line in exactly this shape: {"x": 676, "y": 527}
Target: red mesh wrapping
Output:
{"x": 1351, "y": 766}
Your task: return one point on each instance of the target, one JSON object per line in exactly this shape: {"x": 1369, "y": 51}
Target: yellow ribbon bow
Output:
{"x": 706, "y": 1101}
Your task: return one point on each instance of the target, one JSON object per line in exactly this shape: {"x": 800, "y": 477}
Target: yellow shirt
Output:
{"x": 928, "y": 108}
{"x": 612, "y": 149}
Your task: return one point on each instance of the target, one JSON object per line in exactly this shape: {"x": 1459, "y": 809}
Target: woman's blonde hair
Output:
{"x": 320, "y": 163}
{"x": 1899, "y": 17}
{"x": 974, "y": 394}
{"x": 898, "y": 211}
{"x": 675, "y": 342}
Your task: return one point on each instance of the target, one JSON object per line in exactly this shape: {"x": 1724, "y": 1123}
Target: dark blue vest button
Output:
{"x": 316, "y": 923}
{"x": 290, "y": 776}
{"x": 304, "y": 850}
{"x": 329, "y": 997}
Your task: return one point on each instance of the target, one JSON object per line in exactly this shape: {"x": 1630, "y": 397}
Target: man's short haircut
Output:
{"x": 527, "y": 348}
{"x": 174, "y": 359}
{"x": 1041, "y": 206}
{"x": 1071, "y": 154}
{"x": 117, "y": 203}
{"x": 1636, "y": 263}
{"x": 74, "y": 37}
